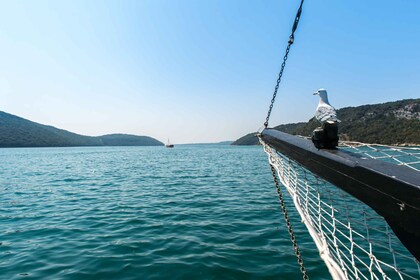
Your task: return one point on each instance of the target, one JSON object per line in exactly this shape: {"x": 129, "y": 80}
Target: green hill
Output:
{"x": 387, "y": 123}
{"x": 249, "y": 139}
{"x": 19, "y": 132}
{"x": 128, "y": 140}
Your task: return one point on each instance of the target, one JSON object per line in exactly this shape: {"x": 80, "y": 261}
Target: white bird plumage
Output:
{"x": 325, "y": 112}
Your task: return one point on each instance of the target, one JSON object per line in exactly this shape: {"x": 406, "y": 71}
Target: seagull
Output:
{"x": 325, "y": 113}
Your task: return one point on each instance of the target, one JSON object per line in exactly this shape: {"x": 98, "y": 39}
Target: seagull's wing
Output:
{"x": 326, "y": 113}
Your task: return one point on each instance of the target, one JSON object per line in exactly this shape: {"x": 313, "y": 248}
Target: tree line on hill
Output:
{"x": 19, "y": 132}
{"x": 391, "y": 123}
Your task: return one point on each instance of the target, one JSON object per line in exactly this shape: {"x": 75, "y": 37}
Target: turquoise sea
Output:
{"x": 192, "y": 212}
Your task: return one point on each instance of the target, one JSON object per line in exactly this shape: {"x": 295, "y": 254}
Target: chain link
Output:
{"x": 283, "y": 206}
{"x": 289, "y": 226}
{"x": 289, "y": 44}
{"x": 277, "y": 85}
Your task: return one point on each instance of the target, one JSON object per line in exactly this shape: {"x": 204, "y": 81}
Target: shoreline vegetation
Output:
{"x": 17, "y": 132}
{"x": 392, "y": 123}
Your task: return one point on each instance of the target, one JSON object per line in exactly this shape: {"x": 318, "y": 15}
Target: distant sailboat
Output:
{"x": 169, "y": 145}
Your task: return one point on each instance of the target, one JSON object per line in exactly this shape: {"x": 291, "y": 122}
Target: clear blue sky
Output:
{"x": 202, "y": 70}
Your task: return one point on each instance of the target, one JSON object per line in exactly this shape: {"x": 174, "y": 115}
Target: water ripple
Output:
{"x": 193, "y": 212}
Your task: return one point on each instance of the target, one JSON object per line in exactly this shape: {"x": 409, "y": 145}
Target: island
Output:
{"x": 19, "y": 132}
{"x": 391, "y": 123}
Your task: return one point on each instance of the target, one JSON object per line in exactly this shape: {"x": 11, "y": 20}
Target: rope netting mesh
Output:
{"x": 353, "y": 240}
{"x": 407, "y": 156}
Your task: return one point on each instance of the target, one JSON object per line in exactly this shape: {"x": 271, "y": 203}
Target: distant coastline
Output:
{"x": 17, "y": 132}
{"x": 391, "y": 123}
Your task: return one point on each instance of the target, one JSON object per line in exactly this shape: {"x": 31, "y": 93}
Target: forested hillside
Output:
{"x": 19, "y": 132}
{"x": 388, "y": 123}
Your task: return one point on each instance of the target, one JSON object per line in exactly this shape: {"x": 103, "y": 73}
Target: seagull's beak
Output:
{"x": 315, "y": 93}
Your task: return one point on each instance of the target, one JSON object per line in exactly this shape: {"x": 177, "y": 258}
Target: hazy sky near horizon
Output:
{"x": 200, "y": 70}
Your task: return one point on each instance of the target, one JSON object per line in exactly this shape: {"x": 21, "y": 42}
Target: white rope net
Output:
{"x": 353, "y": 240}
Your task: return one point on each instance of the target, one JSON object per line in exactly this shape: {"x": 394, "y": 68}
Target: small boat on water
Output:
{"x": 169, "y": 145}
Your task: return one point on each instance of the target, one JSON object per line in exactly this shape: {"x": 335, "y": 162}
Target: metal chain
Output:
{"x": 290, "y": 42}
{"x": 283, "y": 206}
{"x": 289, "y": 226}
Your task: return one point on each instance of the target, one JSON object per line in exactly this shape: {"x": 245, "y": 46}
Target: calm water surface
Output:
{"x": 192, "y": 212}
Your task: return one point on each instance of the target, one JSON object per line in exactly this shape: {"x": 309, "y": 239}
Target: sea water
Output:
{"x": 191, "y": 212}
